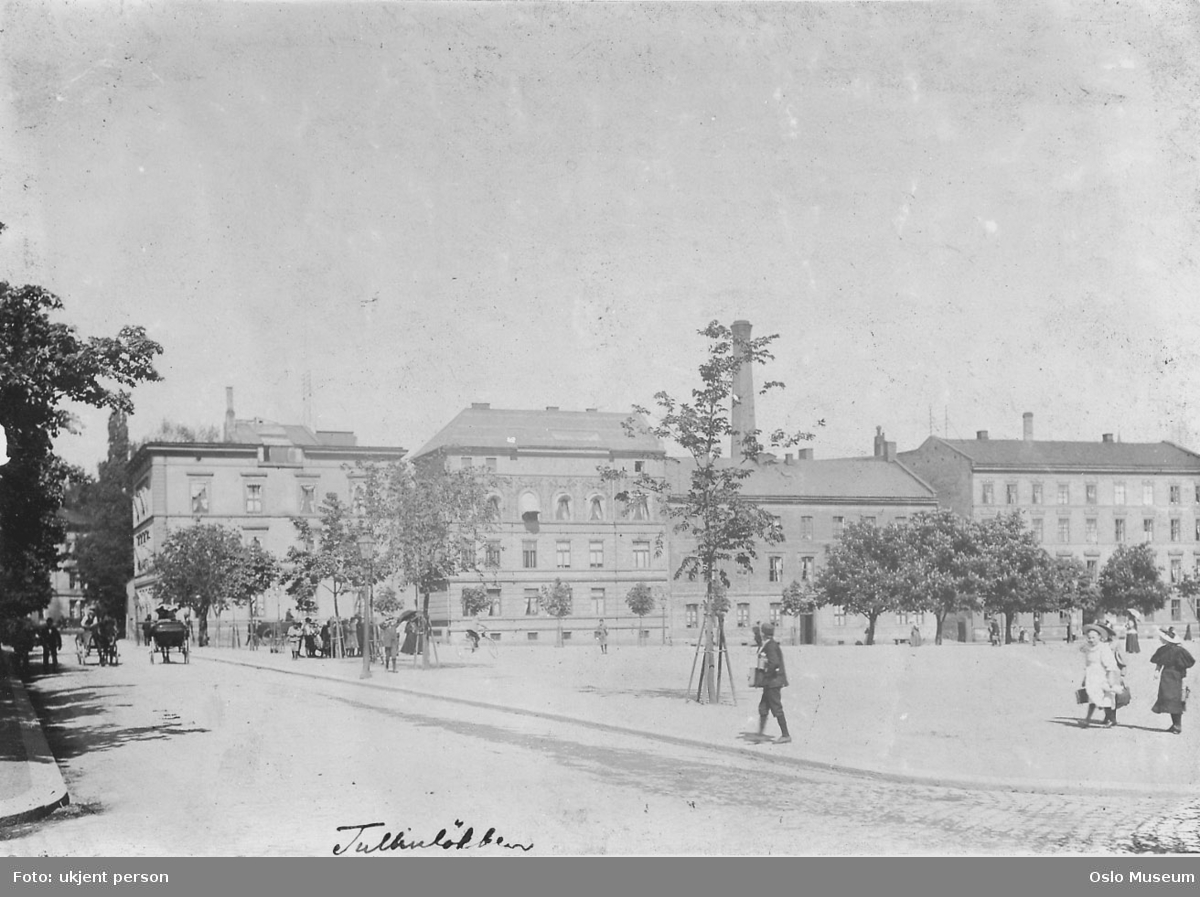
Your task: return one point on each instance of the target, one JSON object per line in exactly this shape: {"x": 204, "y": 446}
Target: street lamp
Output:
{"x": 366, "y": 550}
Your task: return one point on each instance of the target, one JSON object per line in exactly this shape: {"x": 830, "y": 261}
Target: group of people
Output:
{"x": 1105, "y": 662}
{"x": 313, "y": 640}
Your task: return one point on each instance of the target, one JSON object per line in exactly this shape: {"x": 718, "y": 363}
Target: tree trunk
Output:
{"x": 424, "y": 631}
{"x": 202, "y": 630}
{"x": 871, "y": 618}
{"x": 558, "y": 639}
{"x": 941, "y": 621}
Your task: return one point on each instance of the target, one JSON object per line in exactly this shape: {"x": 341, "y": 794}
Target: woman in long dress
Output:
{"x": 1131, "y": 638}
{"x": 1101, "y": 676}
{"x": 1172, "y": 661}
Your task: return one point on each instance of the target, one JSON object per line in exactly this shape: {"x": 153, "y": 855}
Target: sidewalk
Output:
{"x": 31, "y": 784}
{"x": 965, "y": 715}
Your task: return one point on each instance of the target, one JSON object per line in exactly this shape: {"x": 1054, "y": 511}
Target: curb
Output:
{"x": 48, "y": 791}
{"x": 1049, "y": 786}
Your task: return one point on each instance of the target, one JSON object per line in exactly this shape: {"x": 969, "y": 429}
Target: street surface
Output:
{"x": 216, "y": 758}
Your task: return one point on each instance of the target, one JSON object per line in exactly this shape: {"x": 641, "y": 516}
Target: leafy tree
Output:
{"x": 1016, "y": 574}
{"x": 104, "y": 551}
{"x": 708, "y": 507}
{"x": 1131, "y": 578}
{"x": 475, "y": 600}
{"x": 557, "y": 601}
{"x": 864, "y": 573}
{"x": 328, "y": 553}
{"x": 797, "y": 599}
{"x": 640, "y": 601}
{"x": 43, "y": 366}
{"x": 429, "y": 521}
{"x": 207, "y": 568}
{"x": 388, "y": 601}
{"x": 941, "y": 558}
{"x": 170, "y": 431}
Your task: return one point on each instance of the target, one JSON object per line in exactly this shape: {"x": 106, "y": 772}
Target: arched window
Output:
{"x": 595, "y": 508}
{"x": 641, "y": 507}
{"x": 562, "y": 507}
{"x": 493, "y": 507}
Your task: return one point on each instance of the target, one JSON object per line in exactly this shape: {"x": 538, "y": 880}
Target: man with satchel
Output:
{"x": 774, "y": 679}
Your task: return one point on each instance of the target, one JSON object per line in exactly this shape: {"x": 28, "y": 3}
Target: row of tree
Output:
{"x": 942, "y": 564}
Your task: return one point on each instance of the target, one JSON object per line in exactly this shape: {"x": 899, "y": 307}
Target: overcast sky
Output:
{"x": 949, "y": 212}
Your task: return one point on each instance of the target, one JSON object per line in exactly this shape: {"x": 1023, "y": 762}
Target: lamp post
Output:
{"x": 366, "y": 550}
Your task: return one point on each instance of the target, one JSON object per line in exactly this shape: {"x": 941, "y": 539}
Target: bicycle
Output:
{"x": 476, "y": 640}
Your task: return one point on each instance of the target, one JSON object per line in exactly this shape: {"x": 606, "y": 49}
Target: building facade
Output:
{"x": 256, "y": 481}
{"x": 1080, "y": 499}
{"x": 557, "y": 518}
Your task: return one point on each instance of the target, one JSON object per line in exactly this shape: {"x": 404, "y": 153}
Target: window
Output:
{"x": 806, "y": 569}
{"x": 869, "y": 521}
{"x": 1092, "y": 530}
{"x": 1147, "y": 493}
{"x": 743, "y": 616}
{"x": 598, "y": 602}
{"x": 494, "y": 507}
{"x": 1148, "y": 530}
{"x": 839, "y": 616}
{"x": 1093, "y": 568}
{"x": 562, "y": 508}
{"x": 1089, "y": 493}
{"x": 466, "y": 462}
{"x": 494, "y": 608}
{"x": 1064, "y": 529}
{"x": 595, "y": 554}
{"x": 691, "y": 616}
{"x": 1119, "y": 530}
{"x": 641, "y": 508}
{"x": 639, "y": 466}
{"x": 1064, "y": 493}
{"x": 466, "y": 554}
{"x": 531, "y": 602}
{"x": 1176, "y": 610}
{"x": 774, "y": 612}
{"x": 308, "y": 499}
{"x": 1176, "y": 497}
{"x": 1176, "y": 569}
{"x": 839, "y": 524}
{"x": 1198, "y": 529}
{"x": 641, "y": 555}
{"x": 1010, "y": 494}
{"x": 901, "y": 618}
{"x": 1176, "y": 529}
{"x": 491, "y": 554}
{"x": 1039, "y": 528}
{"x": 490, "y": 463}
{"x": 1064, "y": 616}
{"x": 1037, "y": 493}
{"x": 596, "y": 508}
{"x": 1118, "y": 493}
{"x": 529, "y": 555}
{"x": 254, "y": 500}
{"x": 199, "y": 498}
{"x": 988, "y": 494}
{"x": 806, "y": 528}
{"x": 901, "y": 520}
{"x": 776, "y": 571}
{"x": 360, "y": 499}
{"x": 531, "y": 636}
{"x": 562, "y": 555}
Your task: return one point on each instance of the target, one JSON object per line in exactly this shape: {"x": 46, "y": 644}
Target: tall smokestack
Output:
{"x": 1027, "y": 417}
{"x": 742, "y": 412}
{"x": 228, "y": 413}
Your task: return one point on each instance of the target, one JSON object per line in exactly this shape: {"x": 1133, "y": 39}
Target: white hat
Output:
{"x": 1168, "y": 635}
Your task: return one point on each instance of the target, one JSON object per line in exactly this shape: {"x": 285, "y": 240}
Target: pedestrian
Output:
{"x": 326, "y": 650}
{"x": 1070, "y": 630}
{"x": 1171, "y": 663}
{"x": 770, "y": 661}
{"x": 88, "y": 629}
{"x": 309, "y": 630}
{"x": 22, "y": 638}
{"x": 1022, "y": 636}
{"x": 51, "y": 644}
{"x": 914, "y": 637}
{"x": 1101, "y": 676}
{"x": 1131, "y": 637}
{"x": 757, "y": 630}
{"x": 148, "y": 629}
{"x": 391, "y": 642}
{"x": 295, "y": 634}
{"x": 410, "y": 637}
{"x": 994, "y": 632}
{"x": 1037, "y": 629}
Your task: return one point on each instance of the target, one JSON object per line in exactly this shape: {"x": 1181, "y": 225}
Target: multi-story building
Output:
{"x": 66, "y": 604}
{"x": 256, "y": 481}
{"x": 1080, "y": 499}
{"x": 556, "y": 518}
{"x": 813, "y": 500}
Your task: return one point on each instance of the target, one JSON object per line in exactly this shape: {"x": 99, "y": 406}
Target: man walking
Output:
{"x": 774, "y": 681}
{"x": 51, "y": 643}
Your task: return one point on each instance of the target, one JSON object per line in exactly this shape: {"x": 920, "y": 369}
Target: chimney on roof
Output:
{"x": 1027, "y": 418}
{"x": 804, "y": 455}
{"x": 742, "y": 400}
{"x": 551, "y": 407}
{"x": 879, "y": 442}
{"x": 229, "y": 414}
{"x": 981, "y": 435}
{"x": 787, "y": 458}
{"x": 591, "y": 410}
{"x": 481, "y": 406}
{"x": 1106, "y": 437}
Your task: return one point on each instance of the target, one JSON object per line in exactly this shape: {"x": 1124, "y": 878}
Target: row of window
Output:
{"x": 1121, "y": 494}
{"x": 252, "y": 497}
{"x": 563, "y": 555}
{"x": 530, "y": 606}
{"x": 1121, "y": 534}
{"x": 639, "y": 508}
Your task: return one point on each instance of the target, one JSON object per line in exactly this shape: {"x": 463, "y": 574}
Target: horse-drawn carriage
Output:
{"x": 169, "y": 635}
{"x": 98, "y": 639}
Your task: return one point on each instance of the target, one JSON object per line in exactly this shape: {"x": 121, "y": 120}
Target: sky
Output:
{"x": 950, "y": 213}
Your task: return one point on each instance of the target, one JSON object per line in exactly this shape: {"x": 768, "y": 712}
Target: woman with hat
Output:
{"x": 1171, "y": 661}
{"x": 1101, "y": 675}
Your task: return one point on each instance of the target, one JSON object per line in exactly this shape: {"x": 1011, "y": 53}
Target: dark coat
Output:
{"x": 1175, "y": 661}
{"x": 774, "y": 673}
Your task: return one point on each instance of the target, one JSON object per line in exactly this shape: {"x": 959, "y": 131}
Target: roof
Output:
{"x": 860, "y": 479}
{"x": 1035, "y": 453}
{"x": 265, "y": 432}
{"x": 483, "y": 428}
